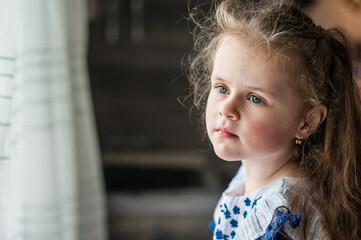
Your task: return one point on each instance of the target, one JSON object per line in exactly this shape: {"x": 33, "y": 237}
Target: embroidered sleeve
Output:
{"x": 276, "y": 229}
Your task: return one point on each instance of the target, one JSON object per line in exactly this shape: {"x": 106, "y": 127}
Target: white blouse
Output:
{"x": 261, "y": 215}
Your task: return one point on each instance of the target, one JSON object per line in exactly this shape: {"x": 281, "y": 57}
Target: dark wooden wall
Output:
{"x": 136, "y": 81}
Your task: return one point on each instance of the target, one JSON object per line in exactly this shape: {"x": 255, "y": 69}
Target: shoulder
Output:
{"x": 285, "y": 225}
{"x": 281, "y": 223}
{"x": 256, "y": 215}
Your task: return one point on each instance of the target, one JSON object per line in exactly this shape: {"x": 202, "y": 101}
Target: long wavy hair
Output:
{"x": 331, "y": 157}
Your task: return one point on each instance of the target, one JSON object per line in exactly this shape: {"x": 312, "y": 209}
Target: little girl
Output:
{"x": 279, "y": 95}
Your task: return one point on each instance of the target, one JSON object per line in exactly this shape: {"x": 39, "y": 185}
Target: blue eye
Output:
{"x": 255, "y": 99}
{"x": 222, "y": 89}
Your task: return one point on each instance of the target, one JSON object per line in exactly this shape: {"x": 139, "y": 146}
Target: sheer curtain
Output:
{"x": 50, "y": 179}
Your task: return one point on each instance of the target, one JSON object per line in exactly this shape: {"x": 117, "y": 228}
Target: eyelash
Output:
{"x": 219, "y": 87}
{"x": 253, "y": 98}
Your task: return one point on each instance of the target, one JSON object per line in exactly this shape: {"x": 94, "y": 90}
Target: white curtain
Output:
{"x": 50, "y": 178}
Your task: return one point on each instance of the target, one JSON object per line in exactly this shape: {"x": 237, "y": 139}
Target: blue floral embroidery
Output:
{"x": 247, "y": 201}
{"x": 275, "y": 230}
{"x": 234, "y": 223}
{"x": 231, "y": 219}
{"x": 236, "y": 210}
{"x": 220, "y": 235}
{"x": 255, "y": 202}
{"x": 227, "y": 213}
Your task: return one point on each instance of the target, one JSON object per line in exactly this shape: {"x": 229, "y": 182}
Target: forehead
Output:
{"x": 239, "y": 56}
{"x": 270, "y": 53}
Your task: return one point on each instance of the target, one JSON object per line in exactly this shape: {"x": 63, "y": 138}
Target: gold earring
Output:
{"x": 299, "y": 141}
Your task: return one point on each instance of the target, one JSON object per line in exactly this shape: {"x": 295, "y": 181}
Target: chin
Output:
{"x": 226, "y": 156}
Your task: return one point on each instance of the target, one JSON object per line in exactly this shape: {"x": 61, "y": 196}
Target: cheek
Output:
{"x": 210, "y": 112}
{"x": 207, "y": 121}
{"x": 267, "y": 136}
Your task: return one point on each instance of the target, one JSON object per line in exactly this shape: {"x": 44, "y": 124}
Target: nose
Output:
{"x": 229, "y": 110}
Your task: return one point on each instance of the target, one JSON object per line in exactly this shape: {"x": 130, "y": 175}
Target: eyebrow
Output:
{"x": 259, "y": 89}
{"x": 248, "y": 86}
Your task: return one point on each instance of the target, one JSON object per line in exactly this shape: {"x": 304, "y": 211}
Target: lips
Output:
{"x": 224, "y": 132}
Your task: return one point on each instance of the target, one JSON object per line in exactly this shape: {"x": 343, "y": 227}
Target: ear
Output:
{"x": 312, "y": 120}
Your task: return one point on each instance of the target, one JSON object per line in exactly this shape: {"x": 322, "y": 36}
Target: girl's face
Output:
{"x": 252, "y": 112}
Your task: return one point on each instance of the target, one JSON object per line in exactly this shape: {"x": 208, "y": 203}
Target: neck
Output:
{"x": 260, "y": 173}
